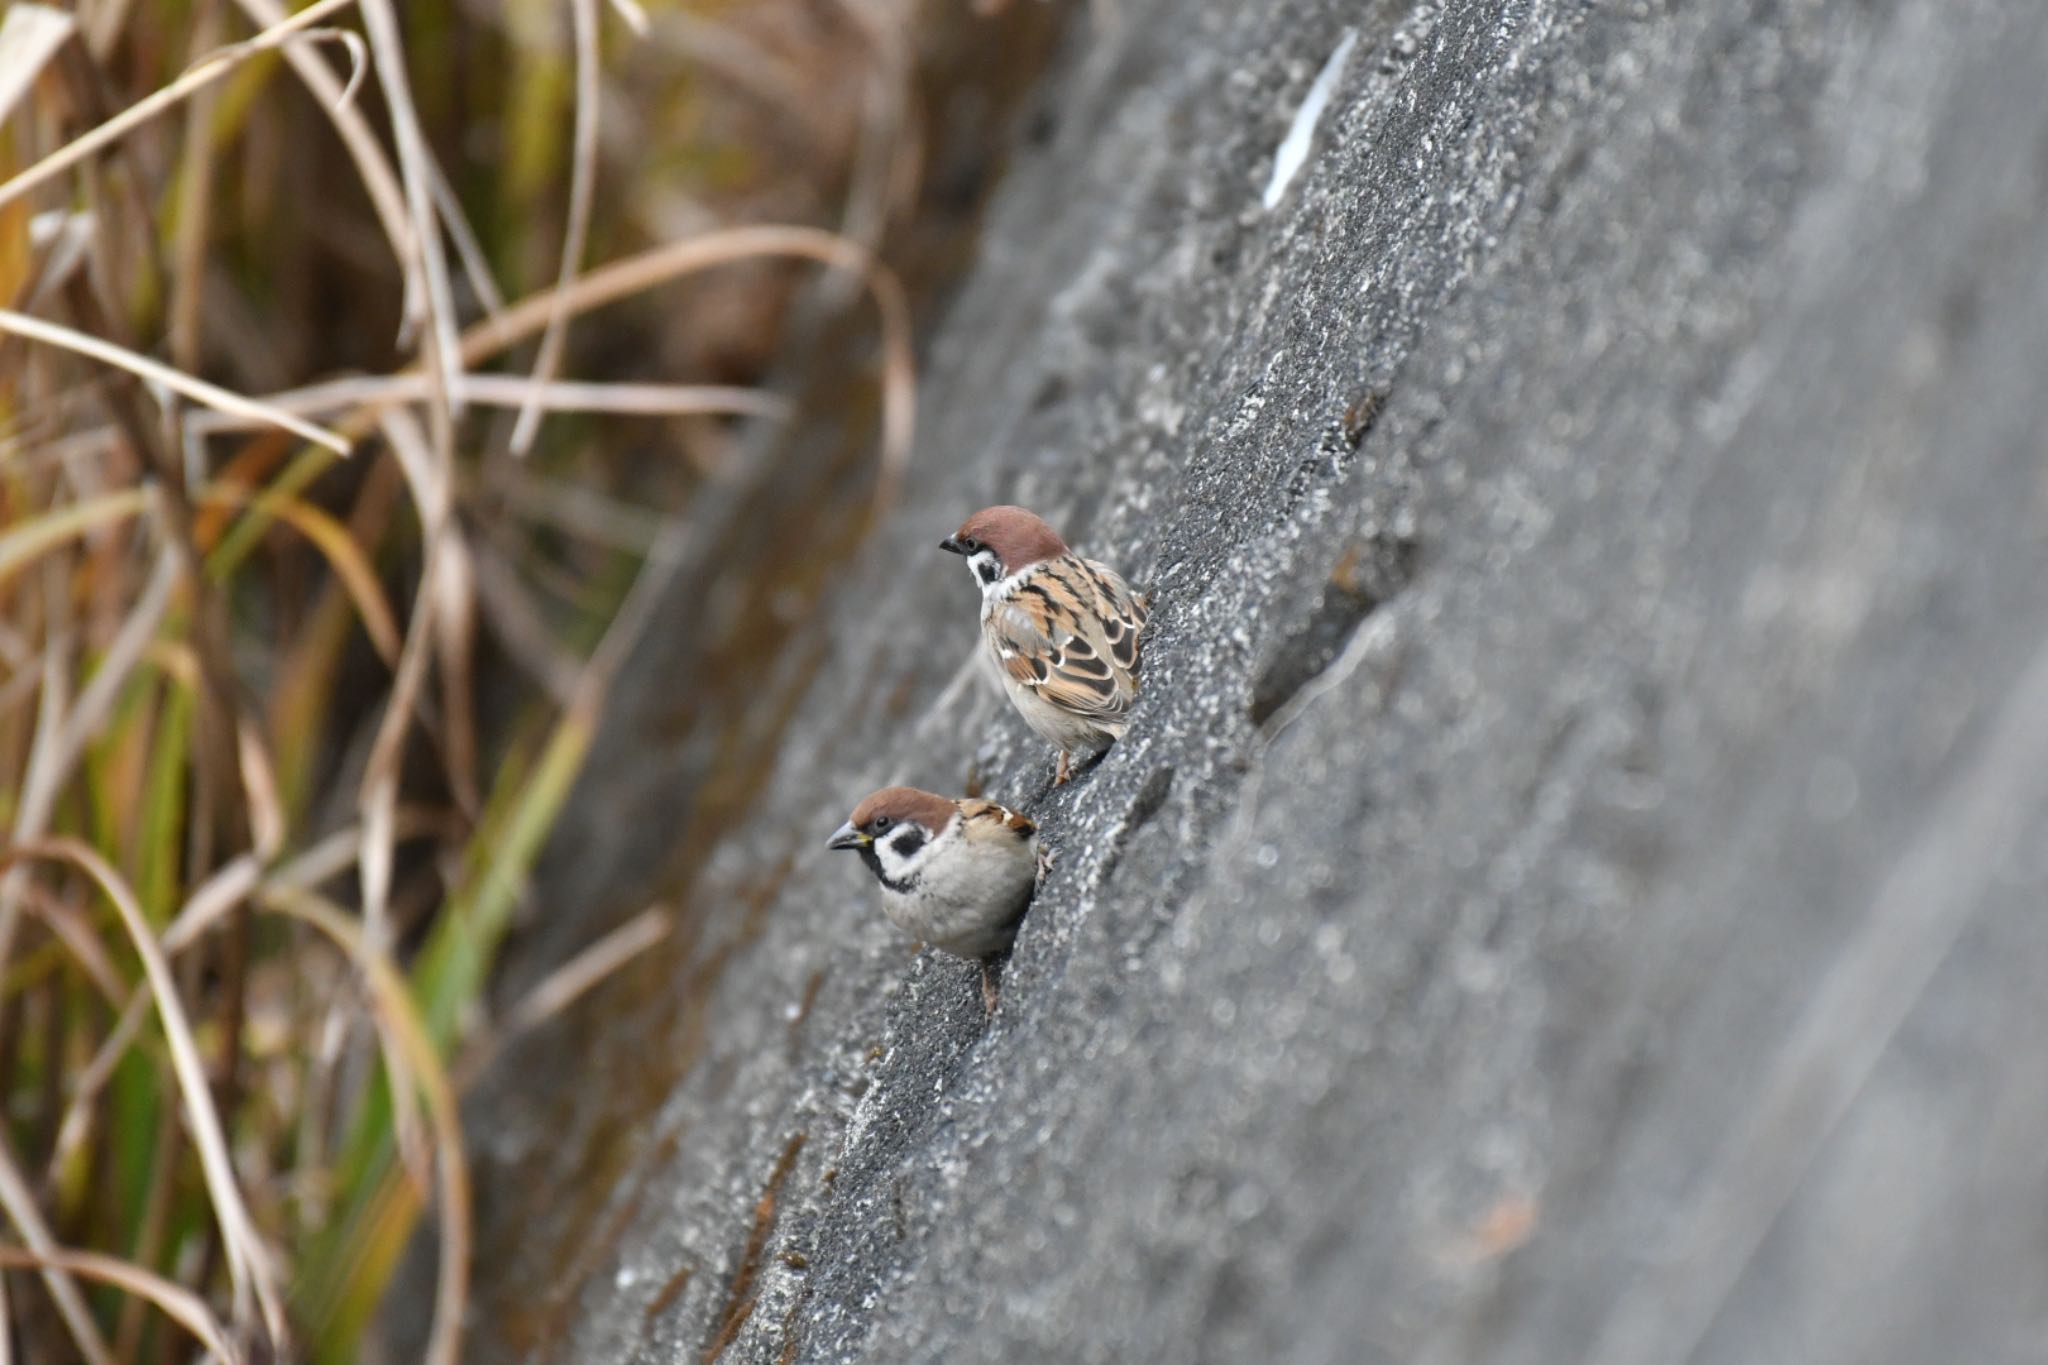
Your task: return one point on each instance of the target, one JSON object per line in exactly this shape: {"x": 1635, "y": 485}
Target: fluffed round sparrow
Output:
{"x": 1061, "y": 631}
{"x": 956, "y": 874}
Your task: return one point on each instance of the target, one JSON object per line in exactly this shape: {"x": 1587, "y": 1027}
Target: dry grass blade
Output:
{"x": 331, "y": 856}
{"x": 379, "y": 181}
{"x": 198, "y": 390}
{"x": 578, "y": 510}
{"x": 72, "y": 1132}
{"x": 509, "y": 391}
{"x": 522, "y": 628}
{"x": 635, "y": 274}
{"x": 582, "y": 189}
{"x": 63, "y": 731}
{"x": 379, "y": 796}
{"x": 195, "y": 207}
{"x": 248, "y": 1260}
{"x": 455, "y": 651}
{"x": 467, "y": 248}
{"x": 30, "y": 36}
{"x": 78, "y": 939}
{"x": 181, "y": 1305}
{"x": 259, "y": 789}
{"x": 427, "y": 262}
{"x": 632, "y": 400}
{"x": 39, "y": 792}
{"x": 346, "y": 557}
{"x": 568, "y": 983}
{"x": 574, "y": 978}
{"x": 200, "y": 76}
{"x": 52, "y": 702}
{"x": 20, "y": 1203}
{"x": 662, "y": 264}
{"x": 64, "y": 241}
{"x": 228, "y": 887}
{"x": 399, "y": 1018}
{"x": 880, "y": 151}
{"x": 635, "y": 17}
{"x": 336, "y": 853}
{"x": 20, "y": 545}
{"x": 15, "y": 690}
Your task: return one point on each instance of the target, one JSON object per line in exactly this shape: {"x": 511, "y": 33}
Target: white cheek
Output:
{"x": 895, "y": 864}
{"x": 988, "y": 570}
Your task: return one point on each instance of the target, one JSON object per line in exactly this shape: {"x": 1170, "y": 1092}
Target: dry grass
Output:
{"x": 258, "y": 369}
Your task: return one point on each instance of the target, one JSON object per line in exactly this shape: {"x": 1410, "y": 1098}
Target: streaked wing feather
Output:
{"x": 1072, "y": 636}
{"x": 990, "y": 817}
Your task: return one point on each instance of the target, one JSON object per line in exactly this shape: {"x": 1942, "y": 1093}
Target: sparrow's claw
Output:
{"x": 989, "y": 992}
{"x": 1045, "y": 862}
{"x": 1065, "y": 773}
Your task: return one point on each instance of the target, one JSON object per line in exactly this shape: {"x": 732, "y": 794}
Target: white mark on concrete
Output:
{"x": 1293, "y": 153}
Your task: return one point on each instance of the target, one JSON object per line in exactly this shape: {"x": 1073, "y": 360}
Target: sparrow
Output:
{"x": 956, "y": 874}
{"x": 1061, "y": 631}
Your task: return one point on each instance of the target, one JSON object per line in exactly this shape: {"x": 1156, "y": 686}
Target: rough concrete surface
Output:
{"x": 1574, "y": 886}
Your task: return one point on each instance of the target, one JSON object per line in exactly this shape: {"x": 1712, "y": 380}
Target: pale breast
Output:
{"x": 969, "y": 902}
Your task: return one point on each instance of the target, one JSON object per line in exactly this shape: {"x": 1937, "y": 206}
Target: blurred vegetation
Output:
{"x": 282, "y": 730}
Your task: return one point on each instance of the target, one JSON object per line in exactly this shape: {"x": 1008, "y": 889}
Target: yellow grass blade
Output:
{"x": 344, "y": 556}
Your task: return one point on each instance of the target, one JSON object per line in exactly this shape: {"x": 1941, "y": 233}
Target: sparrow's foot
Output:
{"x": 1045, "y": 861}
{"x": 1065, "y": 773}
{"x": 989, "y": 992}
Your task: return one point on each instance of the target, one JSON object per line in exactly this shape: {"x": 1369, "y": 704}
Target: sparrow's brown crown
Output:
{"x": 904, "y": 803}
{"x": 1019, "y": 538}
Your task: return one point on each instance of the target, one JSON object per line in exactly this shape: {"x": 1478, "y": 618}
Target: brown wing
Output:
{"x": 1123, "y": 615}
{"x": 986, "y": 818}
{"x": 1071, "y": 633}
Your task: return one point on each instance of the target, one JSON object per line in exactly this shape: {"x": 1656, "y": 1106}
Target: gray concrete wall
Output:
{"x": 1574, "y": 889}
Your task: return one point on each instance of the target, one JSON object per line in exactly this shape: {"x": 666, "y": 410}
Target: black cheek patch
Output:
{"x": 907, "y": 843}
{"x": 868, "y": 856}
{"x": 988, "y": 570}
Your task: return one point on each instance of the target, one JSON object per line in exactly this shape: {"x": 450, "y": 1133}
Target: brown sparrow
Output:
{"x": 1062, "y": 631}
{"x": 956, "y": 874}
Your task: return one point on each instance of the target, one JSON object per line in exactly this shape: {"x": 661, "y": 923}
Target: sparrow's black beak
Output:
{"x": 846, "y": 836}
{"x": 952, "y": 544}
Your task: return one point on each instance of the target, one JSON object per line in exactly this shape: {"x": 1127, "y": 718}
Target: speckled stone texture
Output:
{"x": 1576, "y": 886}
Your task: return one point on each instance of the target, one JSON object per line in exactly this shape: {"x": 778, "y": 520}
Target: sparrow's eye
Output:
{"x": 970, "y": 544}
{"x": 881, "y": 824}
